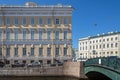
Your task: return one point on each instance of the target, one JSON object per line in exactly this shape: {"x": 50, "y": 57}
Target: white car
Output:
{"x": 34, "y": 64}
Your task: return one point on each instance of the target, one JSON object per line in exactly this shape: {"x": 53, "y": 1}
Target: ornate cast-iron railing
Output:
{"x": 110, "y": 62}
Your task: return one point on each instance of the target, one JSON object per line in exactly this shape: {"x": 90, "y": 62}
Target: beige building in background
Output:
{"x": 100, "y": 46}
{"x": 35, "y": 33}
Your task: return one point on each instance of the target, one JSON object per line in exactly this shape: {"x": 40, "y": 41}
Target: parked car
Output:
{"x": 60, "y": 63}
{"x": 18, "y": 64}
{"x": 57, "y": 64}
{"x": 53, "y": 64}
{"x": 2, "y": 64}
{"x": 34, "y": 64}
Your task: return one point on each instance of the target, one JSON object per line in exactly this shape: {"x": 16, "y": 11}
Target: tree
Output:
{"x": 73, "y": 53}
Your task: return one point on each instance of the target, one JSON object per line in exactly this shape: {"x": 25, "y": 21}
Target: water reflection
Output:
{"x": 37, "y": 78}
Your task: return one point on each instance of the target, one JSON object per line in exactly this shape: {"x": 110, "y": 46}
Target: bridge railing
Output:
{"x": 111, "y": 62}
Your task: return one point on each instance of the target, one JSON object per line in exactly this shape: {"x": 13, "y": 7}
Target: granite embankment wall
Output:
{"x": 72, "y": 69}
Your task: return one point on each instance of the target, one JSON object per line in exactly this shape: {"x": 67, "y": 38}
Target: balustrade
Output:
{"x": 36, "y": 41}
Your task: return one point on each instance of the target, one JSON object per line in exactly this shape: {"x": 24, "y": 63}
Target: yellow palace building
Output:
{"x": 35, "y": 33}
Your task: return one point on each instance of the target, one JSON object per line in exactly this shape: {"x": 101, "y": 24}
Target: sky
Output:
{"x": 89, "y": 18}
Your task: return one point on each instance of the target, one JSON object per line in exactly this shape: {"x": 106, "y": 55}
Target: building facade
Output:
{"x": 100, "y": 46}
{"x": 35, "y": 33}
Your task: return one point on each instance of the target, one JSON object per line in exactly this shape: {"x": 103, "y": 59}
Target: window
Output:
{"x": 40, "y": 51}
{"x": 24, "y": 21}
{"x": 0, "y": 21}
{"x": 24, "y": 34}
{"x": 31, "y": 61}
{"x": 103, "y": 45}
{"x": 116, "y": 38}
{"x": 96, "y": 46}
{"x": 48, "y": 34}
{"x": 57, "y": 21}
{"x": 80, "y": 43}
{"x": 112, "y": 45}
{"x": 90, "y": 47}
{"x": 107, "y": 45}
{"x": 16, "y": 21}
{"x": 41, "y": 61}
{"x": 65, "y": 21}
{"x": 100, "y": 40}
{"x": 96, "y": 41}
{"x": 40, "y": 34}
{"x": 57, "y": 35}
{"x": 48, "y": 61}
{"x": 86, "y": 47}
{"x": 24, "y": 51}
{"x": 32, "y": 51}
{"x": 83, "y": 48}
{"x": 100, "y": 46}
{"x": 111, "y": 39}
{"x": 15, "y": 61}
{"x": 24, "y": 61}
{"x": 107, "y": 39}
{"x": 0, "y": 35}
{"x": 7, "y": 21}
{"x": 93, "y": 47}
{"x": 16, "y": 35}
{"x": 65, "y": 34}
{"x": 0, "y": 52}
{"x": 57, "y": 51}
{"x": 49, "y": 21}
{"x": 8, "y": 35}
{"x": 48, "y": 51}
{"x": 32, "y": 34}
{"x": 16, "y": 51}
{"x": 65, "y": 51}
{"x": 32, "y": 21}
{"x": 8, "y": 52}
{"x": 116, "y": 45}
{"x": 7, "y": 61}
{"x": 40, "y": 21}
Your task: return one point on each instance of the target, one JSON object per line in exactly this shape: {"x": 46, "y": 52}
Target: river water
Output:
{"x": 38, "y": 78}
